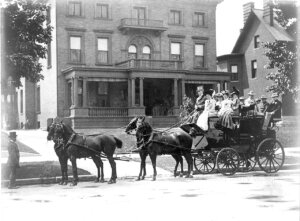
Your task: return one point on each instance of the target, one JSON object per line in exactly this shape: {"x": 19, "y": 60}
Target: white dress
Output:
{"x": 209, "y": 110}
{"x": 225, "y": 106}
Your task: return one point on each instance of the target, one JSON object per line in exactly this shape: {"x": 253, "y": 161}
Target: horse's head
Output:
{"x": 143, "y": 131}
{"x": 134, "y": 123}
{"x": 56, "y": 132}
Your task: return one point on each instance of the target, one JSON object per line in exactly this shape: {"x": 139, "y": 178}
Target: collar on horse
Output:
{"x": 70, "y": 140}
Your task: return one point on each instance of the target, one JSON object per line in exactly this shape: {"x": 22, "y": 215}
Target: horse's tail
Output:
{"x": 119, "y": 142}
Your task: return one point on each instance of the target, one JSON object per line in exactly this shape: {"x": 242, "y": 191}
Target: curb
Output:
{"x": 46, "y": 180}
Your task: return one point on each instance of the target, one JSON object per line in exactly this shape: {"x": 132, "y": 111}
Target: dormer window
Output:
{"x": 256, "y": 41}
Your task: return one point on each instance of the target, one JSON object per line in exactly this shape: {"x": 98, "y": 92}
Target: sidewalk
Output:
{"x": 37, "y": 140}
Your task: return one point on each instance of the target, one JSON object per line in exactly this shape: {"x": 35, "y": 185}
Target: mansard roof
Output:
{"x": 276, "y": 30}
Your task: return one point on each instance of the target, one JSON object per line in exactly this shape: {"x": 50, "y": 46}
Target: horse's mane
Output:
{"x": 145, "y": 128}
{"x": 68, "y": 128}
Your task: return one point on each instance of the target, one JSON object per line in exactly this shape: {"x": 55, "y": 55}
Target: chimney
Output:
{"x": 247, "y": 8}
{"x": 268, "y": 12}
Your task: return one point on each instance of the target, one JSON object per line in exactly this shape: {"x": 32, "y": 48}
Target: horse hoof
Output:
{"x": 111, "y": 181}
{"x": 96, "y": 181}
{"x": 189, "y": 176}
{"x": 102, "y": 181}
{"x": 73, "y": 184}
{"x": 65, "y": 183}
{"x": 138, "y": 179}
{"x": 61, "y": 183}
{"x": 154, "y": 178}
{"x": 180, "y": 175}
{"x": 143, "y": 177}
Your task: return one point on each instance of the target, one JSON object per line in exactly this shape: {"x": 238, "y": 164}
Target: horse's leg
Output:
{"x": 96, "y": 161}
{"x": 177, "y": 162}
{"x": 181, "y": 166}
{"x": 74, "y": 168}
{"x": 145, "y": 154}
{"x": 153, "y": 160}
{"x": 113, "y": 170}
{"x": 102, "y": 173}
{"x": 189, "y": 160}
{"x": 65, "y": 169}
{"x": 61, "y": 162}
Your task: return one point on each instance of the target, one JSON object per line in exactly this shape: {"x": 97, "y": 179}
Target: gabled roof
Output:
{"x": 276, "y": 30}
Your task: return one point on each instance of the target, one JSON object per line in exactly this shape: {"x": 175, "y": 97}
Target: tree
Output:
{"x": 26, "y": 35}
{"x": 283, "y": 54}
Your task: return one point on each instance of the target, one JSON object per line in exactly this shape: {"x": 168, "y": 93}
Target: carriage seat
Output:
{"x": 193, "y": 129}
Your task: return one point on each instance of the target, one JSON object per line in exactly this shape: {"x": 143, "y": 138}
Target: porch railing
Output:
{"x": 108, "y": 111}
{"x": 151, "y": 64}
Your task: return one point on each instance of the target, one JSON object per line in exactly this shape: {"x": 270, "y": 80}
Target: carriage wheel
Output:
{"x": 270, "y": 155}
{"x": 228, "y": 161}
{"x": 247, "y": 162}
{"x": 205, "y": 162}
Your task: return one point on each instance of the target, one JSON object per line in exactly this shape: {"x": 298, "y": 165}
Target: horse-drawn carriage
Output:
{"x": 253, "y": 141}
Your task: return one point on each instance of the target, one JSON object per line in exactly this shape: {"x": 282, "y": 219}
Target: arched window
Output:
{"x": 146, "y": 52}
{"x": 132, "y": 54}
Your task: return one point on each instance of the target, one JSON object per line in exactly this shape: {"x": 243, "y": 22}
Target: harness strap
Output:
{"x": 70, "y": 140}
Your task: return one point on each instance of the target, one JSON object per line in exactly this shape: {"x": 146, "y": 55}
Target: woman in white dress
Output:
{"x": 209, "y": 110}
{"x": 226, "y": 111}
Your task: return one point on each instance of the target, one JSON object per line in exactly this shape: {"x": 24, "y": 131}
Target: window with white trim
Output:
{"x": 234, "y": 70}
{"x": 75, "y": 49}
{"x": 199, "y": 56}
{"x": 74, "y": 8}
{"x": 175, "y": 50}
{"x": 254, "y": 68}
{"x": 101, "y": 11}
{"x": 102, "y": 50}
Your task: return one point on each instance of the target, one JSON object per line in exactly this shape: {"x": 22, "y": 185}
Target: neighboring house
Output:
{"x": 112, "y": 60}
{"x": 247, "y": 60}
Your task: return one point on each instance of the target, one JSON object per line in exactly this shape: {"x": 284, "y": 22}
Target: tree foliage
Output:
{"x": 283, "y": 54}
{"x": 186, "y": 109}
{"x": 26, "y": 35}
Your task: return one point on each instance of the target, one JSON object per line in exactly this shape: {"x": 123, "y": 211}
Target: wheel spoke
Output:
{"x": 273, "y": 165}
{"x": 276, "y": 162}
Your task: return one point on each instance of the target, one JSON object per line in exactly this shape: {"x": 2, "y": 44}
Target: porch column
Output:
{"x": 219, "y": 87}
{"x": 84, "y": 92}
{"x": 72, "y": 92}
{"x": 225, "y": 85}
{"x": 175, "y": 93}
{"x": 183, "y": 87}
{"x": 133, "y": 92}
{"x": 75, "y": 92}
{"x": 141, "y": 92}
{"x": 129, "y": 92}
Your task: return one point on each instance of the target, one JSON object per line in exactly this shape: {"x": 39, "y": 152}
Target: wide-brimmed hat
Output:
{"x": 251, "y": 93}
{"x": 210, "y": 92}
{"x": 226, "y": 92}
{"x": 263, "y": 97}
{"x": 275, "y": 95}
{"x": 12, "y": 134}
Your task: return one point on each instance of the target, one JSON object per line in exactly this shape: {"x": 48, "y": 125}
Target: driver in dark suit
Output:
{"x": 13, "y": 159}
{"x": 275, "y": 106}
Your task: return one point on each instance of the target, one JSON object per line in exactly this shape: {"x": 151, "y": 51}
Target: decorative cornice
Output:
{"x": 176, "y": 36}
{"x": 76, "y": 29}
{"x": 200, "y": 38}
{"x": 103, "y": 31}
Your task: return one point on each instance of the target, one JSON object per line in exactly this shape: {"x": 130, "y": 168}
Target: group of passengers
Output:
{"x": 227, "y": 104}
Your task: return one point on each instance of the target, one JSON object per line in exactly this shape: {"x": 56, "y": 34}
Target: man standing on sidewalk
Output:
{"x": 13, "y": 159}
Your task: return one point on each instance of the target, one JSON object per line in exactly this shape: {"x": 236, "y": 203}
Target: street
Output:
{"x": 244, "y": 196}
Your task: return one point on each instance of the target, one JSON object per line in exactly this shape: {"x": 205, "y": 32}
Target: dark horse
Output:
{"x": 158, "y": 143}
{"x": 79, "y": 146}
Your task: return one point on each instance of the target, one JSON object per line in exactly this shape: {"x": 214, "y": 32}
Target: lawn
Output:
{"x": 39, "y": 170}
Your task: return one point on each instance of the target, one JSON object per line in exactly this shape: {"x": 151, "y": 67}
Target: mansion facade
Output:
{"x": 110, "y": 60}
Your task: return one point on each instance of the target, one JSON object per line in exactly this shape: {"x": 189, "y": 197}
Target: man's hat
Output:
{"x": 242, "y": 98}
{"x": 251, "y": 93}
{"x": 263, "y": 96}
{"x": 12, "y": 134}
{"x": 274, "y": 95}
{"x": 257, "y": 99}
{"x": 235, "y": 91}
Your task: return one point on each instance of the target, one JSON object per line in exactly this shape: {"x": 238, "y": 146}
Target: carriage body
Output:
{"x": 252, "y": 142}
